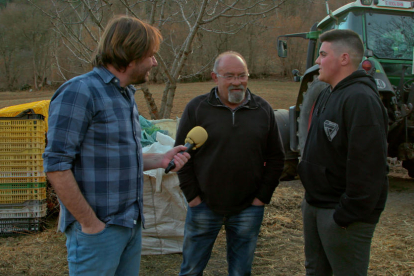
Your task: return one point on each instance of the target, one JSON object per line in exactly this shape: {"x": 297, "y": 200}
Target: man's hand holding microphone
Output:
{"x": 196, "y": 137}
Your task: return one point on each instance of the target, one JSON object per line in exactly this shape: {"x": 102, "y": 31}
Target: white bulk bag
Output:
{"x": 165, "y": 206}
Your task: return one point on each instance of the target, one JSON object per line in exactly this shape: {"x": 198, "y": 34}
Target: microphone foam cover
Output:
{"x": 197, "y": 136}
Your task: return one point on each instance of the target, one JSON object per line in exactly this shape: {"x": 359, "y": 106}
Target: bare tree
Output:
{"x": 25, "y": 40}
{"x": 79, "y": 23}
{"x": 10, "y": 46}
{"x": 35, "y": 31}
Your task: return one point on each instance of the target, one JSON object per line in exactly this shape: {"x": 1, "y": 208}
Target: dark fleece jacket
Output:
{"x": 228, "y": 171}
{"x": 344, "y": 164}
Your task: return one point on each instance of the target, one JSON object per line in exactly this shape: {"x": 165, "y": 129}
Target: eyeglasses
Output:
{"x": 242, "y": 77}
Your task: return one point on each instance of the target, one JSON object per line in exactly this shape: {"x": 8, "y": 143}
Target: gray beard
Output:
{"x": 236, "y": 97}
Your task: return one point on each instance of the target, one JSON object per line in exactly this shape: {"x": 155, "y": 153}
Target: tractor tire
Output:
{"x": 291, "y": 158}
{"x": 309, "y": 97}
{"x": 290, "y": 170}
{"x": 409, "y": 166}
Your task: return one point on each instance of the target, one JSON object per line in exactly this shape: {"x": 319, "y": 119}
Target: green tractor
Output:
{"x": 387, "y": 30}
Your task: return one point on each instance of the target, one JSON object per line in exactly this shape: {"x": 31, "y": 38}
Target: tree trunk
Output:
{"x": 164, "y": 98}
{"x": 250, "y": 62}
{"x": 152, "y": 107}
{"x": 7, "y": 58}
{"x": 170, "y": 99}
{"x": 35, "y": 76}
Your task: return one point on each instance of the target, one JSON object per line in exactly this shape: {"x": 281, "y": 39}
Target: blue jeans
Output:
{"x": 201, "y": 229}
{"x": 116, "y": 250}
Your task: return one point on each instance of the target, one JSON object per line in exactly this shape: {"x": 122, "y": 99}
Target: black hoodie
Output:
{"x": 344, "y": 163}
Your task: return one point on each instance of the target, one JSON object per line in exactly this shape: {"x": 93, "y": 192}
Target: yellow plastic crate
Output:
{"x": 22, "y": 128}
{"x": 19, "y": 147}
{"x": 28, "y": 134}
{"x": 22, "y": 139}
{"x": 17, "y": 122}
{"x": 20, "y": 174}
{"x": 20, "y": 157}
{"x": 24, "y": 152}
{"x": 22, "y": 179}
{"x": 39, "y": 107}
{"x": 10, "y": 196}
{"x": 22, "y": 162}
{"x": 4, "y": 167}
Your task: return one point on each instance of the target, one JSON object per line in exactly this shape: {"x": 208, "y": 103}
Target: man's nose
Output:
{"x": 154, "y": 62}
{"x": 236, "y": 80}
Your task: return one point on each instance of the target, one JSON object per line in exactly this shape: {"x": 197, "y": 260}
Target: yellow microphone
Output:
{"x": 196, "y": 137}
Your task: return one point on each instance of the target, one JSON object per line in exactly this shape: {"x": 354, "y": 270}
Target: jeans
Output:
{"x": 330, "y": 249}
{"x": 116, "y": 250}
{"x": 201, "y": 229}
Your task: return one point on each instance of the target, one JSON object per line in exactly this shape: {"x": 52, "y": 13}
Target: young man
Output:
{"x": 234, "y": 173}
{"x": 94, "y": 158}
{"x": 344, "y": 164}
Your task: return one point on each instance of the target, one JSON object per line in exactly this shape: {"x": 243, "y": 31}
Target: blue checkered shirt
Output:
{"x": 94, "y": 131}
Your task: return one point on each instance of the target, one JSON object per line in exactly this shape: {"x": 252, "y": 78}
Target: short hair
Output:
{"x": 346, "y": 40}
{"x": 124, "y": 40}
{"x": 227, "y": 53}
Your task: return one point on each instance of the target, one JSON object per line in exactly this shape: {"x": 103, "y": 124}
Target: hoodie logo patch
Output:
{"x": 331, "y": 129}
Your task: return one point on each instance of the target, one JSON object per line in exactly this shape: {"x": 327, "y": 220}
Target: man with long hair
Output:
{"x": 94, "y": 158}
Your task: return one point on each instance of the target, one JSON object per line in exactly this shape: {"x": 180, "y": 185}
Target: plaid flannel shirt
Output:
{"x": 94, "y": 131}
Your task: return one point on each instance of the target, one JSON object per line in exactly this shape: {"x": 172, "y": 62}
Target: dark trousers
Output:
{"x": 330, "y": 249}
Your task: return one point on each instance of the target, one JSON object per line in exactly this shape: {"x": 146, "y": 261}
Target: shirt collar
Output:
{"x": 108, "y": 77}
{"x": 105, "y": 75}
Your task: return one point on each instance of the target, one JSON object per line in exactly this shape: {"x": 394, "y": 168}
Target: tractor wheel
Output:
{"x": 309, "y": 97}
{"x": 290, "y": 170}
{"x": 409, "y": 166}
{"x": 291, "y": 158}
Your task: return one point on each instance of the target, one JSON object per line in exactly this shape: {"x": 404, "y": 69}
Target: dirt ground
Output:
{"x": 280, "y": 246}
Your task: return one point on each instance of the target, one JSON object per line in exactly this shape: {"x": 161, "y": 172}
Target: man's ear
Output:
{"x": 129, "y": 66}
{"x": 214, "y": 77}
{"x": 345, "y": 59}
